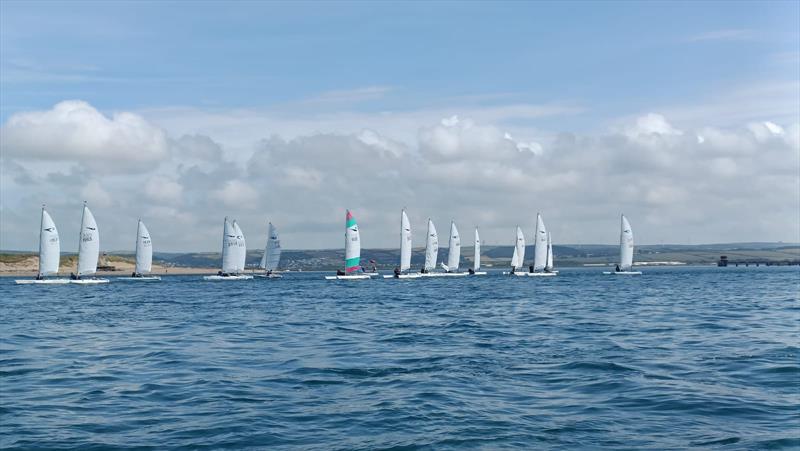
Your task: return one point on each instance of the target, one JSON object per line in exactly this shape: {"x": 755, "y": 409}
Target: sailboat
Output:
{"x": 518, "y": 258}
{"x": 49, "y": 253}
{"x": 402, "y": 272}
{"x": 431, "y": 250}
{"x": 234, "y": 253}
{"x": 144, "y": 256}
{"x": 453, "y": 254}
{"x": 352, "y": 252}
{"x": 625, "y": 250}
{"x": 540, "y": 250}
{"x": 272, "y": 254}
{"x": 88, "y": 250}
{"x": 476, "y": 262}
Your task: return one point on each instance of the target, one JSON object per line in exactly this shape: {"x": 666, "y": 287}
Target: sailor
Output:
{"x": 73, "y": 276}
{"x": 530, "y": 268}
{"x": 617, "y": 268}
{"x": 397, "y": 271}
{"x": 133, "y": 274}
{"x": 423, "y": 271}
{"x": 339, "y": 272}
{"x": 471, "y": 271}
{"x": 513, "y": 269}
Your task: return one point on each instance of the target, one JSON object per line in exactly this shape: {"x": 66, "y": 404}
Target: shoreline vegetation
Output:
{"x": 21, "y": 263}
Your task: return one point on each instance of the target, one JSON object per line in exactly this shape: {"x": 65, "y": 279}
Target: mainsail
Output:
{"x": 89, "y": 245}
{"x": 49, "y": 246}
{"x": 540, "y": 245}
{"x": 476, "y": 264}
{"x": 454, "y": 251}
{"x": 625, "y": 245}
{"x": 431, "y": 247}
{"x": 405, "y": 242}
{"x": 144, "y": 250}
{"x": 230, "y": 245}
{"x": 352, "y": 245}
{"x": 272, "y": 251}
{"x": 519, "y": 250}
{"x": 241, "y": 249}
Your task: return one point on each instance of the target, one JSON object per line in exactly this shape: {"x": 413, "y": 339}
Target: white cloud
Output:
{"x": 162, "y": 189}
{"x": 96, "y": 195}
{"x": 237, "y": 194}
{"x": 75, "y": 131}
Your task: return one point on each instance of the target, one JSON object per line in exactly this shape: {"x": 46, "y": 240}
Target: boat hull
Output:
{"x": 404, "y": 276}
{"x": 217, "y": 278}
{"x": 89, "y": 281}
{"x": 541, "y": 274}
{"x": 349, "y": 277}
{"x": 623, "y": 273}
{"x": 139, "y": 279}
{"x": 478, "y": 273}
{"x": 268, "y": 276}
{"x": 42, "y": 281}
{"x": 444, "y": 274}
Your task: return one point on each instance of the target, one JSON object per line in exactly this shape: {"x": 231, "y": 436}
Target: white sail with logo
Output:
{"x": 144, "y": 250}
{"x": 230, "y": 247}
{"x": 540, "y": 245}
{"x": 49, "y": 246}
{"x": 405, "y": 242}
{"x": 549, "y": 265}
{"x": 454, "y": 250}
{"x": 272, "y": 251}
{"x": 625, "y": 245}
{"x": 519, "y": 250}
{"x": 241, "y": 249}
{"x": 89, "y": 245}
{"x": 431, "y": 247}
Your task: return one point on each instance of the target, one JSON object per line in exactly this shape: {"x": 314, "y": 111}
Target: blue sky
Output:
{"x": 616, "y": 58}
{"x": 680, "y": 114}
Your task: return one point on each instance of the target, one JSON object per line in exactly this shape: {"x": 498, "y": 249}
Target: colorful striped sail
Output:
{"x": 352, "y": 245}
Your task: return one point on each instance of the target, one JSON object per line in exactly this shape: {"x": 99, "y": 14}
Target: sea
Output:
{"x": 683, "y": 357}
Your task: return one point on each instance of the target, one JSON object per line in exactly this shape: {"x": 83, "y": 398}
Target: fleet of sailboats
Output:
{"x": 234, "y": 253}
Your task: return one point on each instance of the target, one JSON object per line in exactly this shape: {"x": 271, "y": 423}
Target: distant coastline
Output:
{"x": 25, "y": 263}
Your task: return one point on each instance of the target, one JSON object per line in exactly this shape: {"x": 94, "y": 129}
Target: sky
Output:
{"x": 685, "y": 116}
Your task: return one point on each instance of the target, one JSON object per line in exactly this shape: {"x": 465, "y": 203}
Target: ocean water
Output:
{"x": 677, "y": 358}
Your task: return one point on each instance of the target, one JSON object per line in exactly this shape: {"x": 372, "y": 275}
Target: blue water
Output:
{"x": 679, "y": 357}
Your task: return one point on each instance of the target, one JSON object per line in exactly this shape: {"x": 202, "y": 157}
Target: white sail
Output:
{"x": 549, "y": 265}
{"x": 454, "y": 251}
{"x": 625, "y": 245}
{"x": 241, "y": 249}
{"x": 49, "y": 246}
{"x": 352, "y": 244}
{"x": 272, "y": 251}
{"x": 476, "y": 264}
{"x": 405, "y": 242}
{"x": 89, "y": 246}
{"x": 431, "y": 247}
{"x": 144, "y": 250}
{"x": 229, "y": 248}
{"x": 540, "y": 245}
{"x": 519, "y": 249}
{"x": 515, "y": 259}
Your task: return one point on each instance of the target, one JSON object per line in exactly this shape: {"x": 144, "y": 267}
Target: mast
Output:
{"x": 41, "y": 231}
{"x": 80, "y": 239}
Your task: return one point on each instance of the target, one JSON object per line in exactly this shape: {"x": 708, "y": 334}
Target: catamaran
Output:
{"x": 402, "y": 272}
{"x": 625, "y": 250}
{"x": 49, "y": 252}
{"x": 476, "y": 262}
{"x": 272, "y": 255}
{"x": 234, "y": 254}
{"x": 88, "y": 250}
{"x": 453, "y": 254}
{"x": 518, "y": 257}
{"x": 540, "y": 250}
{"x": 144, "y": 256}
{"x": 352, "y": 252}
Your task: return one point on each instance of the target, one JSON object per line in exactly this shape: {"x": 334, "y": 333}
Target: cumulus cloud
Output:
{"x": 75, "y": 131}
{"x": 675, "y": 183}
